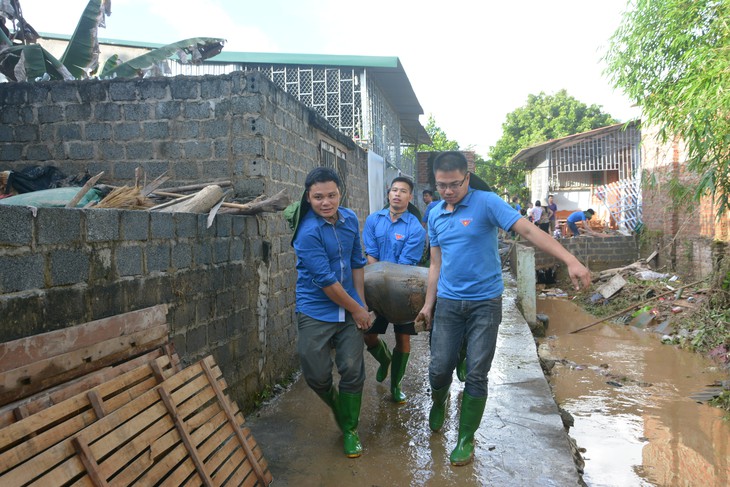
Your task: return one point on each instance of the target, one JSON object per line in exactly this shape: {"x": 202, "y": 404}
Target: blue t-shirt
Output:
{"x": 428, "y": 210}
{"x": 326, "y": 253}
{"x": 471, "y": 269}
{"x": 400, "y": 241}
{"x": 576, "y": 216}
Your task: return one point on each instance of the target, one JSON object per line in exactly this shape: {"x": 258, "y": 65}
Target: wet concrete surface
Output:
{"x": 630, "y": 397}
{"x": 521, "y": 440}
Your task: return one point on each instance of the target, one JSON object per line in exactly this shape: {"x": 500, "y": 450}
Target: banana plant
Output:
{"x": 29, "y": 62}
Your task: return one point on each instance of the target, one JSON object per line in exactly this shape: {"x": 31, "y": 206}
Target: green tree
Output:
{"x": 543, "y": 118}
{"x": 439, "y": 141}
{"x": 672, "y": 57}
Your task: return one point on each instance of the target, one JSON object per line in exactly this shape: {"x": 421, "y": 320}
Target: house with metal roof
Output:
{"x": 597, "y": 169}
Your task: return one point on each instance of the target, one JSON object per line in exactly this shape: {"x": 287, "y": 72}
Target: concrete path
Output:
{"x": 521, "y": 440}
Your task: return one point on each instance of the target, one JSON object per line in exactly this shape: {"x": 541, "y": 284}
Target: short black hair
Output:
{"x": 450, "y": 161}
{"x": 321, "y": 175}
{"x": 428, "y": 192}
{"x": 403, "y": 179}
{"x": 590, "y": 211}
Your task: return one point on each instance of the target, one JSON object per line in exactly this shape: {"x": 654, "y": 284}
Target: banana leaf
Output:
{"x": 4, "y": 40}
{"x": 26, "y": 63}
{"x": 193, "y": 50}
{"x": 81, "y": 56}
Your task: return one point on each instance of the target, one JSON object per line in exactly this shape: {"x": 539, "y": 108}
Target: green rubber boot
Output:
{"x": 330, "y": 399}
{"x": 472, "y": 409}
{"x": 438, "y": 409}
{"x": 348, "y": 406}
{"x": 461, "y": 364}
{"x": 397, "y": 371}
{"x": 382, "y": 355}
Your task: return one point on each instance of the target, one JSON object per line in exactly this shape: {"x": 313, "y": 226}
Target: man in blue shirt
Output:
{"x": 431, "y": 201}
{"x": 580, "y": 216}
{"x": 330, "y": 300}
{"x": 393, "y": 234}
{"x": 465, "y": 289}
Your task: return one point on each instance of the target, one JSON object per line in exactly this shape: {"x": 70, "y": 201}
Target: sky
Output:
{"x": 470, "y": 63}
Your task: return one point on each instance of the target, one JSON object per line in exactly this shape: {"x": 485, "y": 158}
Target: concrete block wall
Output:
{"x": 596, "y": 253}
{"x": 230, "y": 288}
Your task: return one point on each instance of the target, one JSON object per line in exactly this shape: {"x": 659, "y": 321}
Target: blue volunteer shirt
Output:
{"x": 400, "y": 241}
{"x": 577, "y": 216}
{"x": 326, "y": 254}
{"x": 471, "y": 269}
{"x": 428, "y": 210}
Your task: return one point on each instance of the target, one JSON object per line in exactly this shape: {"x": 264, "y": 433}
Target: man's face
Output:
{"x": 399, "y": 196}
{"x": 427, "y": 198}
{"x": 324, "y": 198}
{"x": 452, "y": 185}
{"x": 550, "y": 200}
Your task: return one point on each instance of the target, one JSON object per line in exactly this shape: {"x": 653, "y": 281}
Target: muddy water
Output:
{"x": 629, "y": 396}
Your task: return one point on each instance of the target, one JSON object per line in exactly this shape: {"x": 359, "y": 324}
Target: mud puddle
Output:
{"x": 630, "y": 397}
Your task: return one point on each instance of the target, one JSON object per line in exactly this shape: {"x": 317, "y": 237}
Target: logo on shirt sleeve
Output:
{"x": 466, "y": 222}
{"x": 398, "y": 236}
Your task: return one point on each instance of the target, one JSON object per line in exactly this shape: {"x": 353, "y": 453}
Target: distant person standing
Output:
{"x": 516, "y": 204}
{"x": 330, "y": 297}
{"x": 554, "y": 209}
{"x": 393, "y": 234}
{"x": 430, "y": 200}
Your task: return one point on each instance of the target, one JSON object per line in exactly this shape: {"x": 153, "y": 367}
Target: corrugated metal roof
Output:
{"x": 525, "y": 155}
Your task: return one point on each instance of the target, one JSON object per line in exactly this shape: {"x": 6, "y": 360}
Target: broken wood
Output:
{"x": 261, "y": 204}
{"x": 196, "y": 187}
{"x": 158, "y": 181}
{"x": 626, "y": 310}
{"x": 202, "y": 202}
{"x": 84, "y": 189}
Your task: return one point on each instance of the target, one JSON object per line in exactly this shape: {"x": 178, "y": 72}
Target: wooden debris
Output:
{"x": 196, "y": 187}
{"x": 84, "y": 189}
{"x": 259, "y": 205}
{"x": 125, "y": 197}
{"x": 613, "y": 286}
{"x": 202, "y": 202}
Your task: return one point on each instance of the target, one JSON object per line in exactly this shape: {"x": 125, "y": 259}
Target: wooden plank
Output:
{"x": 152, "y": 445}
{"x": 57, "y": 394}
{"x": 235, "y": 462}
{"x": 184, "y": 474}
{"x": 92, "y": 468}
{"x": 31, "y": 378}
{"x": 57, "y": 454}
{"x": 231, "y": 418}
{"x": 24, "y": 351}
{"x": 192, "y": 451}
{"x": 116, "y": 435}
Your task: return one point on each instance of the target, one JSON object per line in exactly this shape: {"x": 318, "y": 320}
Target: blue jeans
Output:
{"x": 574, "y": 228}
{"x": 316, "y": 341}
{"x": 478, "y": 323}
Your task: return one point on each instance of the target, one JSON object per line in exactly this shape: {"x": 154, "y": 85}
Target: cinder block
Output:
{"x": 102, "y": 225}
{"x": 64, "y": 307}
{"x": 21, "y": 273}
{"x": 58, "y": 226}
{"x": 182, "y": 256}
{"x": 98, "y": 131}
{"x": 221, "y": 250}
{"x": 203, "y": 253}
{"x": 217, "y": 169}
{"x": 122, "y": 90}
{"x": 213, "y": 129}
{"x": 127, "y": 131}
{"x": 168, "y": 110}
{"x": 196, "y": 340}
{"x": 161, "y": 225}
{"x": 169, "y": 150}
{"x": 197, "y": 149}
{"x": 65, "y": 92}
{"x": 77, "y": 113}
{"x": 108, "y": 112}
{"x": 186, "y": 225}
{"x": 111, "y": 151}
{"x": 185, "y": 89}
{"x": 158, "y": 257}
{"x": 92, "y": 91}
{"x": 153, "y": 89}
{"x": 69, "y": 131}
{"x": 50, "y": 114}
{"x": 214, "y": 87}
{"x": 6, "y": 133}
{"x": 134, "y": 225}
{"x": 26, "y": 133}
{"x": 68, "y": 267}
{"x": 80, "y": 150}
{"x": 224, "y": 225}
{"x": 137, "y": 151}
{"x": 16, "y": 226}
{"x": 185, "y": 129}
{"x": 248, "y": 146}
{"x": 155, "y": 130}
{"x": 246, "y": 104}
{"x": 197, "y": 111}
{"x": 128, "y": 260}
{"x": 136, "y": 111}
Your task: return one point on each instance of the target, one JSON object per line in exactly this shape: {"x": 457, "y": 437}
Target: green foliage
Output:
{"x": 81, "y": 57}
{"x": 543, "y": 118}
{"x": 672, "y": 57}
{"x": 439, "y": 141}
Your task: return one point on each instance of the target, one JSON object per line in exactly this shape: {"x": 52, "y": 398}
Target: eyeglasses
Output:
{"x": 451, "y": 186}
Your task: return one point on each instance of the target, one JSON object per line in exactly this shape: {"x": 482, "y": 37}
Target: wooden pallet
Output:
{"x": 145, "y": 427}
{"x": 32, "y": 364}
